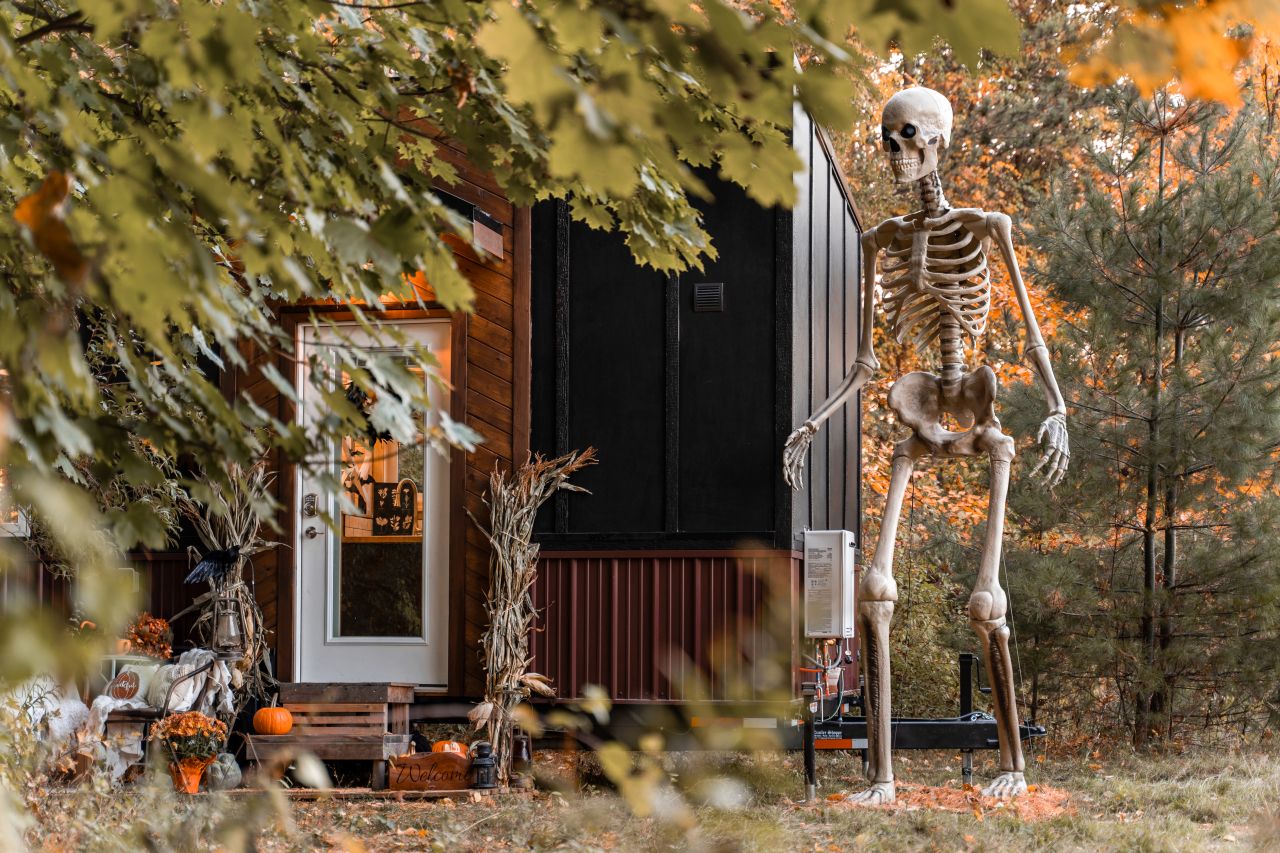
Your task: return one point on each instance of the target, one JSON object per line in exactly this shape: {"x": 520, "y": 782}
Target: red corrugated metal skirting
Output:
{"x": 662, "y": 626}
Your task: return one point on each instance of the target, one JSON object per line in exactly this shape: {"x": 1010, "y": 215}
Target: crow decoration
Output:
{"x": 357, "y": 397}
{"x": 215, "y": 565}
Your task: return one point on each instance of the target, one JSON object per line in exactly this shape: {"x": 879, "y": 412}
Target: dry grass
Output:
{"x": 1185, "y": 803}
{"x": 1206, "y": 801}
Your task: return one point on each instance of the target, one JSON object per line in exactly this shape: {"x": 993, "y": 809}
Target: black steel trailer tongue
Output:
{"x": 837, "y": 728}
{"x": 811, "y": 725}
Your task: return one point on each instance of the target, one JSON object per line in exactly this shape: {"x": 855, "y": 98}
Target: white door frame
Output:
{"x": 320, "y": 655}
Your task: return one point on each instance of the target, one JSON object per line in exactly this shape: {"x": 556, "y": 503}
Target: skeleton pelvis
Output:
{"x": 919, "y": 401}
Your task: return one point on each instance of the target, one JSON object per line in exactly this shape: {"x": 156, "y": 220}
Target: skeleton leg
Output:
{"x": 987, "y": 608}
{"x": 877, "y": 592}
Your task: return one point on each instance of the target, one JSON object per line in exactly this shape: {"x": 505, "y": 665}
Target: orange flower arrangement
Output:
{"x": 151, "y": 636}
{"x": 191, "y": 735}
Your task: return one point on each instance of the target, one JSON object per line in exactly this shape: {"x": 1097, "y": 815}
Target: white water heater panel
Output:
{"x": 829, "y": 560}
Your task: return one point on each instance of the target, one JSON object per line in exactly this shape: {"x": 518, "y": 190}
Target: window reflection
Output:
{"x": 380, "y": 567}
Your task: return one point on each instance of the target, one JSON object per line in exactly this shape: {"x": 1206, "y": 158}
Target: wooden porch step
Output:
{"x": 374, "y": 748}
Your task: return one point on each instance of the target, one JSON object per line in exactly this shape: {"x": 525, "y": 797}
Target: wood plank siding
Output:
{"x": 490, "y": 362}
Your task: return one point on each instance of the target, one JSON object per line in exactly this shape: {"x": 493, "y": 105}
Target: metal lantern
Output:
{"x": 228, "y": 627}
{"x": 521, "y": 761}
{"x": 484, "y": 770}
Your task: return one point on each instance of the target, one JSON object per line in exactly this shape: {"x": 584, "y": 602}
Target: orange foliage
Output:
{"x": 42, "y": 214}
{"x": 1196, "y": 45}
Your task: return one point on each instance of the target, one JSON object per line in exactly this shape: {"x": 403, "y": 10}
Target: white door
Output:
{"x": 372, "y": 595}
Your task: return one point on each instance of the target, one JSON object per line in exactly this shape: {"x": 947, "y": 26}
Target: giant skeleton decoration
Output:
{"x": 936, "y": 289}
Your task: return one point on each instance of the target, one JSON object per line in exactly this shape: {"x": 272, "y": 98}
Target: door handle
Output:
{"x": 312, "y": 532}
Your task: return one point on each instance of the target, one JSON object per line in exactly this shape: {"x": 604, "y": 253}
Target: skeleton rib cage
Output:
{"x": 936, "y": 282}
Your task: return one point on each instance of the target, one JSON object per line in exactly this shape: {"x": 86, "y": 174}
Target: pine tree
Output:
{"x": 1169, "y": 270}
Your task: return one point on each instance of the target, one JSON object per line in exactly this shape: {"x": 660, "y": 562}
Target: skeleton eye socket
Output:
{"x": 908, "y": 131}
{"x": 884, "y": 134}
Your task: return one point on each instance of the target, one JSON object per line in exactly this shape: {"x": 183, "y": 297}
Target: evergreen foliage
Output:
{"x": 1150, "y": 579}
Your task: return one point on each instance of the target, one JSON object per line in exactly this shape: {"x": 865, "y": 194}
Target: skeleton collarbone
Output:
{"x": 935, "y": 275}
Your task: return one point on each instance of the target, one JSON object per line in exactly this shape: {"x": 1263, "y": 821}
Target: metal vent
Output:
{"x": 708, "y": 296}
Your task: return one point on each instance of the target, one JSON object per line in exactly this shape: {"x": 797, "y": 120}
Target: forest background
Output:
{"x": 1144, "y": 588}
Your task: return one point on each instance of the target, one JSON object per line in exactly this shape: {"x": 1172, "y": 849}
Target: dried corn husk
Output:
{"x": 514, "y": 500}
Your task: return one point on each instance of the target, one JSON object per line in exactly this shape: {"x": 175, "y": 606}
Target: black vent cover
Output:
{"x": 708, "y": 296}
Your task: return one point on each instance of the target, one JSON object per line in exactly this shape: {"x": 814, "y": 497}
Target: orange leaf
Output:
{"x": 41, "y": 213}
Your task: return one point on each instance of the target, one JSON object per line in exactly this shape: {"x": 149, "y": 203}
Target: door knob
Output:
{"x": 312, "y": 532}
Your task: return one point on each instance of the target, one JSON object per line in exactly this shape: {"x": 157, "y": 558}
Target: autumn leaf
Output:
{"x": 1197, "y": 45}
{"x": 41, "y": 213}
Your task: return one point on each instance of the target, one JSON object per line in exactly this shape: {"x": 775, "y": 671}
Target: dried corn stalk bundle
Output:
{"x": 234, "y": 517}
{"x": 514, "y": 500}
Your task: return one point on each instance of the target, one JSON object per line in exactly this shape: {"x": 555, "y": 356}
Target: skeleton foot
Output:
{"x": 1006, "y": 785}
{"x": 879, "y": 794}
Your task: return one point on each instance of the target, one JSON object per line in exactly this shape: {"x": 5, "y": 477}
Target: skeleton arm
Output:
{"x": 1053, "y": 432}
{"x": 864, "y": 367}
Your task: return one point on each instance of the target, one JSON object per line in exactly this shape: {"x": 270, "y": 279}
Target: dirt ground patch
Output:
{"x": 1041, "y": 802}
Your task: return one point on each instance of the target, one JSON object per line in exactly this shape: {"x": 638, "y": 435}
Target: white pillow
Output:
{"x": 159, "y": 686}
{"x": 145, "y": 672}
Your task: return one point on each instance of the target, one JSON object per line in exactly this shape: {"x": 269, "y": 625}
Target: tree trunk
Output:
{"x": 1162, "y": 706}
{"x": 1144, "y": 696}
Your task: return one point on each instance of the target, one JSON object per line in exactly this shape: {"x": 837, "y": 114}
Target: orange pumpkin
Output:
{"x": 448, "y": 746}
{"x": 273, "y": 721}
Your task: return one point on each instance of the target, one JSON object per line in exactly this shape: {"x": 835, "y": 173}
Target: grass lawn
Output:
{"x": 1204, "y": 801}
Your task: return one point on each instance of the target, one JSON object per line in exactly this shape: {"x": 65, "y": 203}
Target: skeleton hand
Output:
{"x": 1057, "y": 449}
{"x": 794, "y": 453}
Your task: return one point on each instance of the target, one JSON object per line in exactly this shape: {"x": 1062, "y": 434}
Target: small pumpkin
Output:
{"x": 449, "y": 746}
{"x": 223, "y": 774}
{"x": 273, "y": 721}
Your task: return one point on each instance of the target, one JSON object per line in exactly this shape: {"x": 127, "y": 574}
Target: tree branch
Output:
{"x": 67, "y": 23}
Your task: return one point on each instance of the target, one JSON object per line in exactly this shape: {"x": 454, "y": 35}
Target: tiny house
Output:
{"x": 683, "y": 561}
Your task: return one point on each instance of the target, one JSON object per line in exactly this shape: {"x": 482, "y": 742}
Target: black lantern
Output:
{"x": 228, "y": 640}
{"x": 484, "y": 770}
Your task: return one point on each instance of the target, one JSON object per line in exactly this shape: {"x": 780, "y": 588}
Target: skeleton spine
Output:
{"x": 950, "y": 336}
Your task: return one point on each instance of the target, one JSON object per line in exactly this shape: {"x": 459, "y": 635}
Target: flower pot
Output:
{"x": 187, "y": 774}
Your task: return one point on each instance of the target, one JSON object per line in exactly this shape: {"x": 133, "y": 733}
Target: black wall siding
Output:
{"x": 616, "y": 327}
{"x": 682, "y": 405}
{"x": 727, "y": 362}
{"x": 825, "y": 330}
{"x": 802, "y": 401}
{"x": 851, "y": 493}
{"x": 690, "y": 409}
{"x": 820, "y": 328}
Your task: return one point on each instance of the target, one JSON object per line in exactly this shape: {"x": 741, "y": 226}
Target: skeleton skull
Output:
{"x": 915, "y": 124}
